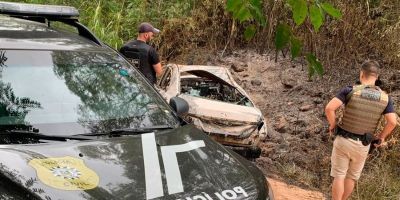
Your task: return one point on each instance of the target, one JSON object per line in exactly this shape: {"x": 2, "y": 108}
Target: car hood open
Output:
{"x": 115, "y": 168}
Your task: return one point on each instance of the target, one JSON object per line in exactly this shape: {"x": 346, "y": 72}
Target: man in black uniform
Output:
{"x": 142, "y": 55}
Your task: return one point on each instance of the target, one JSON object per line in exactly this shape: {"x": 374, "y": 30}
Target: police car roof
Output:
{"x": 16, "y": 33}
{"x": 55, "y": 11}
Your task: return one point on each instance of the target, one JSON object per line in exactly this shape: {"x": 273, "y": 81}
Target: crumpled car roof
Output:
{"x": 218, "y": 71}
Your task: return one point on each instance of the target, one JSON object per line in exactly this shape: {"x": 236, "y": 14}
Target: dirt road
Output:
{"x": 283, "y": 191}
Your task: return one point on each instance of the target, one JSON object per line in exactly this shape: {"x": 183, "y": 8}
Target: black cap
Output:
{"x": 147, "y": 27}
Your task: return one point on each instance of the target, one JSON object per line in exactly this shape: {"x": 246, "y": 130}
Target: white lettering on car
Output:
{"x": 199, "y": 197}
{"x": 152, "y": 169}
{"x": 229, "y": 194}
{"x": 240, "y": 190}
{"x": 172, "y": 173}
{"x": 206, "y": 195}
{"x": 235, "y": 193}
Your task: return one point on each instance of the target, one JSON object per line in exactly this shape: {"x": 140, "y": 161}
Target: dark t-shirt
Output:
{"x": 139, "y": 50}
{"x": 346, "y": 90}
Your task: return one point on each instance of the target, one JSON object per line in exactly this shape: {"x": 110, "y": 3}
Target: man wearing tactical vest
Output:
{"x": 142, "y": 55}
{"x": 364, "y": 106}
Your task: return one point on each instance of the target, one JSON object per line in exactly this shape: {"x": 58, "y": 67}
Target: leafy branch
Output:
{"x": 247, "y": 11}
{"x": 314, "y": 10}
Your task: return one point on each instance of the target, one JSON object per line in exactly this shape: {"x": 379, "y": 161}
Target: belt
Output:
{"x": 347, "y": 134}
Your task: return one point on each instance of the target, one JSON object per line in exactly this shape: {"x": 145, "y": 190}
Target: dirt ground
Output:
{"x": 283, "y": 191}
{"x": 296, "y": 155}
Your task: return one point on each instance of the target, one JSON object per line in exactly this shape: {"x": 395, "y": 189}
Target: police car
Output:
{"x": 77, "y": 121}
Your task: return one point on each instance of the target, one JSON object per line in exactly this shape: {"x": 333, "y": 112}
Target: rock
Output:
{"x": 237, "y": 68}
{"x": 283, "y": 148}
{"x": 290, "y": 103}
{"x": 288, "y": 79}
{"x": 281, "y": 125}
{"x": 256, "y": 82}
{"x": 301, "y": 123}
{"x": 318, "y": 100}
{"x": 306, "y": 108}
{"x": 317, "y": 94}
{"x": 273, "y": 136}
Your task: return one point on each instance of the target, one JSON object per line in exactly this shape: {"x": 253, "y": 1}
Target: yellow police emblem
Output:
{"x": 65, "y": 173}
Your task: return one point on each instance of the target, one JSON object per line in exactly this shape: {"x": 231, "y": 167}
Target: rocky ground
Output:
{"x": 296, "y": 155}
{"x": 298, "y": 148}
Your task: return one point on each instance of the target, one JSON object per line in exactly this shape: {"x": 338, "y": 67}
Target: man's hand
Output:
{"x": 158, "y": 69}
{"x": 333, "y": 105}
{"x": 391, "y": 123}
{"x": 378, "y": 142}
{"x": 331, "y": 130}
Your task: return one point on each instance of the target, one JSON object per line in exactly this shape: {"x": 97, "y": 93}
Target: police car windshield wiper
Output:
{"x": 128, "y": 131}
{"x": 35, "y": 134}
{"x": 133, "y": 131}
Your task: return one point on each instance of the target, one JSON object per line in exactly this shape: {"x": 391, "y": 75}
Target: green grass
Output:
{"x": 115, "y": 21}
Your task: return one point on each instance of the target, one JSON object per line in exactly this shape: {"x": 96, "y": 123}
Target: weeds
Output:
{"x": 293, "y": 172}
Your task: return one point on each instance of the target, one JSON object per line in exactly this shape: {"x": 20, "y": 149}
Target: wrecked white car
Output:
{"x": 217, "y": 105}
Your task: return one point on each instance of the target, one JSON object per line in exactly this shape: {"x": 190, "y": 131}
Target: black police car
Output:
{"x": 77, "y": 121}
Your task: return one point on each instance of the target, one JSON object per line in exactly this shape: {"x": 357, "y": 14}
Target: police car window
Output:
{"x": 63, "y": 27}
{"x": 67, "y": 92}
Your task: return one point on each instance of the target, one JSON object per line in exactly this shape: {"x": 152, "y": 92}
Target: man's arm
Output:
{"x": 391, "y": 123}
{"x": 155, "y": 61}
{"x": 158, "y": 69}
{"x": 330, "y": 109}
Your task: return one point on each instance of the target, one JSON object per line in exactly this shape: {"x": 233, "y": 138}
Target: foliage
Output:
{"x": 301, "y": 9}
{"x": 115, "y": 21}
{"x": 284, "y": 37}
{"x": 247, "y": 10}
{"x": 314, "y": 65}
{"x": 315, "y": 10}
{"x": 316, "y": 13}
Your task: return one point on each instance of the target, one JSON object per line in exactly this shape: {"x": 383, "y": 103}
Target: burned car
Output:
{"x": 217, "y": 104}
{"x": 77, "y": 121}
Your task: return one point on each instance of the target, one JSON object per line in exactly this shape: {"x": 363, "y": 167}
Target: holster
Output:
{"x": 368, "y": 138}
{"x": 374, "y": 141}
{"x": 365, "y": 139}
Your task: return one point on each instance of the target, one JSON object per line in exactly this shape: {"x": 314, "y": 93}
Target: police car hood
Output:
{"x": 182, "y": 163}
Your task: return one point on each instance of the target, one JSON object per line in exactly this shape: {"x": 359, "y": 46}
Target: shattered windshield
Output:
{"x": 68, "y": 93}
{"x": 208, "y": 86}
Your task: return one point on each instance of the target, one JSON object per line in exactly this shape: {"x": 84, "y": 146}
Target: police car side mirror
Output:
{"x": 179, "y": 105}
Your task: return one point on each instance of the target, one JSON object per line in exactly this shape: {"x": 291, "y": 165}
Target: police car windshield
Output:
{"x": 70, "y": 92}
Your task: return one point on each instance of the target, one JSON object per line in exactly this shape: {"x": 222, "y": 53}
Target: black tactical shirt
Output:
{"x": 142, "y": 56}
